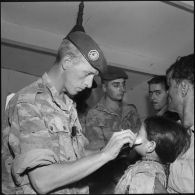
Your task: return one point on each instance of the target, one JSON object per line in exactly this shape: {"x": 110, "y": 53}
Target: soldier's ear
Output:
{"x": 184, "y": 86}
{"x": 66, "y": 62}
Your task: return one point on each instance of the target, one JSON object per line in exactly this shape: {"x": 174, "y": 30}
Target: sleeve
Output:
{"x": 181, "y": 179}
{"x": 29, "y": 141}
{"x": 142, "y": 183}
{"x": 132, "y": 120}
{"x": 93, "y": 131}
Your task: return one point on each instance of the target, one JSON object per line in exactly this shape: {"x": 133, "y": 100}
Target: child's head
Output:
{"x": 164, "y": 137}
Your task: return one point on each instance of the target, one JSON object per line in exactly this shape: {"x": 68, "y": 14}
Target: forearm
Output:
{"x": 89, "y": 151}
{"x": 48, "y": 178}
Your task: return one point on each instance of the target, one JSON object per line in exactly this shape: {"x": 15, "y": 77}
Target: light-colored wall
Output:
{"x": 139, "y": 96}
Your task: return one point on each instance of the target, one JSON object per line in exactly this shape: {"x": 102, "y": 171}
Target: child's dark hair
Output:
{"x": 171, "y": 137}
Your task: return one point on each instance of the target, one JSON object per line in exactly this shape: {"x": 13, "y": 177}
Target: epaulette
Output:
{"x": 28, "y": 94}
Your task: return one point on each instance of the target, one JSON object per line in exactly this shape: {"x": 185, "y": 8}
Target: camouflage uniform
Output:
{"x": 101, "y": 123}
{"x": 39, "y": 132}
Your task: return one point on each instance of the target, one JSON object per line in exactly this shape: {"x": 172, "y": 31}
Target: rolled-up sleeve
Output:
{"x": 30, "y": 142}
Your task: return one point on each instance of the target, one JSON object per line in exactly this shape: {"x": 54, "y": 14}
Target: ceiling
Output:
{"x": 143, "y": 37}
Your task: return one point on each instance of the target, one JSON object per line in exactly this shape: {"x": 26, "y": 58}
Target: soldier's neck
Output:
{"x": 113, "y": 105}
{"x": 162, "y": 111}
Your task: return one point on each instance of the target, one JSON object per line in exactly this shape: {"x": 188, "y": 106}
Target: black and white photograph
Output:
{"x": 97, "y": 97}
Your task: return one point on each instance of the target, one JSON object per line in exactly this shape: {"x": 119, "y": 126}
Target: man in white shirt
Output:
{"x": 180, "y": 78}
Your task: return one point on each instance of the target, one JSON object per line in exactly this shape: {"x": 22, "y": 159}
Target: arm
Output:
{"x": 66, "y": 173}
{"x": 34, "y": 153}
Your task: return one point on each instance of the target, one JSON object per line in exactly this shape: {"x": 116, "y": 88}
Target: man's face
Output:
{"x": 79, "y": 76}
{"x": 158, "y": 96}
{"x": 115, "y": 89}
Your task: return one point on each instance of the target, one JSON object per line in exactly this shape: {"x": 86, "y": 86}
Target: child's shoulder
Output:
{"x": 146, "y": 166}
{"x": 140, "y": 177}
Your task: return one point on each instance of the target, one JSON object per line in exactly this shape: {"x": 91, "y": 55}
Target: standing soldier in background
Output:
{"x": 111, "y": 115}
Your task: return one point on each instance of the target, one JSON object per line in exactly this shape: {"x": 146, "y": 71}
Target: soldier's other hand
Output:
{"x": 118, "y": 139}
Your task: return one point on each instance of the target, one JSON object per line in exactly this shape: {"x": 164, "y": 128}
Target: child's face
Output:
{"x": 142, "y": 148}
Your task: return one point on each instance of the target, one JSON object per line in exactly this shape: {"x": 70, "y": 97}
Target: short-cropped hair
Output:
{"x": 159, "y": 80}
{"x": 66, "y": 48}
{"x": 182, "y": 69}
{"x": 171, "y": 138}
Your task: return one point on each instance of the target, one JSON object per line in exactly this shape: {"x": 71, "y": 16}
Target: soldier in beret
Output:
{"x": 43, "y": 144}
{"x": 111, "y": 114}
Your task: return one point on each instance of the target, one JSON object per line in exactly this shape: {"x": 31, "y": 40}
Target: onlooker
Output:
{"x": 161, "y": 141}
{"x": 110, "y": 115}
{"x": 180, "y": 77}
{"x": 158, "y": 95}
{"x": 43, "y": 145}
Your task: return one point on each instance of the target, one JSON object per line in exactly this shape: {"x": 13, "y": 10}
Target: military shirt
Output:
{"x": 101, "y": 123}
{"x": 139, "y": 178}
{"x": 41, "y": 129}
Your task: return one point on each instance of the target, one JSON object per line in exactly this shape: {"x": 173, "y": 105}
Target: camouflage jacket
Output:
{"x": 41, "y": 129}
{"x": 102, "y": 122}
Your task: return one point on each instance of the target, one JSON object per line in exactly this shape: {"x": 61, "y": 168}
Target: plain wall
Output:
{"x": 139, "y": 96}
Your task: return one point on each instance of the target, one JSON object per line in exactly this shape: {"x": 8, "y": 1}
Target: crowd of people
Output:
{"x": 48, "y": 148}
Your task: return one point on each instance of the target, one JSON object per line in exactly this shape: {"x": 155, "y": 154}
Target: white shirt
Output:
{"x": 181, "y": 178}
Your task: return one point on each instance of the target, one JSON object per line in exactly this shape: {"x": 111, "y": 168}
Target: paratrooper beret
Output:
{"x": 89, "y": 49}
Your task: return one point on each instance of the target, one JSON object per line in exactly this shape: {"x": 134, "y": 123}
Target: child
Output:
{"x": 162, "y": 140}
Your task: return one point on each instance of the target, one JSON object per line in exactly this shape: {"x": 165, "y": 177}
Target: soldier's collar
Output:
{"x": 64, "y": 105}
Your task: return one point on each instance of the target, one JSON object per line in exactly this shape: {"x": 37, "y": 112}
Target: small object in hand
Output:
{"x": 138, "y": 141}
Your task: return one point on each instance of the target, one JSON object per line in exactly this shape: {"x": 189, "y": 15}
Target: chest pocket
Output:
{"x": 110, "y": 122}
{"x": 67, "y": 138}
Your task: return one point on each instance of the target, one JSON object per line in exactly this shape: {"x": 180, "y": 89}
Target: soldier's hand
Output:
{"x": 118, "y": 139}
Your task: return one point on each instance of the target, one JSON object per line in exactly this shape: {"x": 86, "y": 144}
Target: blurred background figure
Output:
{"x": 158, "y": 96}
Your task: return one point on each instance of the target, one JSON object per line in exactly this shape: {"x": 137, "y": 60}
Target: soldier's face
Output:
{"x": 158, "y": 96}
{"x": 79, "y": 76}
{"x": 115, "y": 89}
